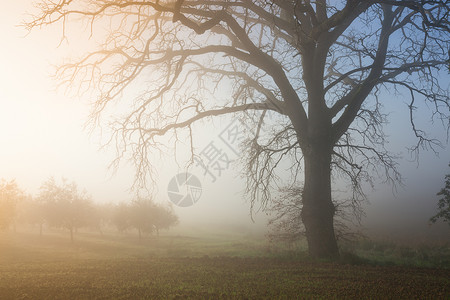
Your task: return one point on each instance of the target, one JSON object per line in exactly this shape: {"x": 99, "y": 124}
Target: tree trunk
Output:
{"x": 318, "y": 209}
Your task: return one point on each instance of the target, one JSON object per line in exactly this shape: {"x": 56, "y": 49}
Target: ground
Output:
{"x": 178, "y": 267}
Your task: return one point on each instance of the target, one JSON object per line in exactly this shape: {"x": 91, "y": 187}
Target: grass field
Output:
{"x": 211, "y": 267}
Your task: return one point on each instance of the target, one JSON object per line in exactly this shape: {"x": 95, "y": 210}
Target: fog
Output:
{"x": 42, "y": 135}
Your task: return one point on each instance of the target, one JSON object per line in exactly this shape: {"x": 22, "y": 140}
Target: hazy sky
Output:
{"x": 41, "y": 130}
{"x": 41, "y": 134}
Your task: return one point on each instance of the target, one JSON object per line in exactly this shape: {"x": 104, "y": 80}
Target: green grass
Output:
{"x": 179, "y": 267}
{"x": 384, "y": 252}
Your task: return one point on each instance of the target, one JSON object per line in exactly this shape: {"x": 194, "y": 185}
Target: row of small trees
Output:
{"x": 63, "y": 205}
{"x": 145, "y": 216}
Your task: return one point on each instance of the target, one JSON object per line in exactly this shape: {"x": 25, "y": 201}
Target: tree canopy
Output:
{"x": 145, "y": 216}
{"x": 65, "y": 206}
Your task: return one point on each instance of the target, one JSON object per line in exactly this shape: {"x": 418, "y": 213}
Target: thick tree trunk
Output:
{"x": 318, "y": 209}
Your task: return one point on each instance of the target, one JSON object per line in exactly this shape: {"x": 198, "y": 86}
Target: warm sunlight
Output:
{"x": 42, "y": 129}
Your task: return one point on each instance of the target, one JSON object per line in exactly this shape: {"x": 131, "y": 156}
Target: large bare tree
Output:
{"x": 323, "y": 67}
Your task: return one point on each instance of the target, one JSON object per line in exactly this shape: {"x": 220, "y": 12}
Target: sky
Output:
{"x": 42, "y": 131}
{"x": 42, "y": 135}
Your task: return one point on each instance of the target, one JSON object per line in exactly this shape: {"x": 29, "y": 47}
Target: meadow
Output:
{"x": 220, "y": 266}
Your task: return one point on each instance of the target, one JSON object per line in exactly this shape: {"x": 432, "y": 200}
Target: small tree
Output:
{"x": 103, "y": 215}
{"x": 33, "y": 212}
{"x": 10, "y": 196}
{"x": 145, "y": 216}
{"x": 65, "y": 206}
{"x": 120, "y": 217}
{"x": 163, "y": 218}
{"x": 141, "y": 216}
{"x": 444, "y": 203}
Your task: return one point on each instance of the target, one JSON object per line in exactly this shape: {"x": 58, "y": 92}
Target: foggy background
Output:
{"x": 42, "y": 135}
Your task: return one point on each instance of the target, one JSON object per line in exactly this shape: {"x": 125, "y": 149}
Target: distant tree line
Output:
{"x": 63, "y": 205}
{"x": 143, "y": 215}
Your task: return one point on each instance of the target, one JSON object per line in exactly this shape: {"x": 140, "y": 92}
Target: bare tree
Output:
{"x": 323, "y": 67}
{"x": 145, "y": 216}
{"x": 140, "y": 216}
{"x": 65, "y": 206}
{"x": 33, "y": 212}
{"x": 163, "y": 217}
{"x": 120, "y": 217}
{"x": 10, "y": 197}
